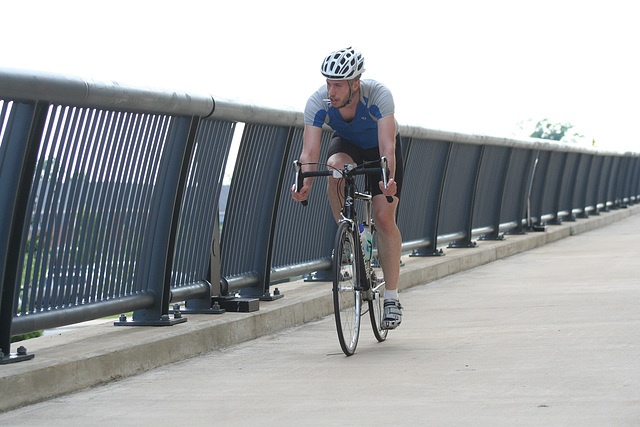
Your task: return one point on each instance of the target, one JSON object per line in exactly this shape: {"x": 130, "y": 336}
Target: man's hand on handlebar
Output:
{"x": 300, "y": 196}
{"x": 390, "y": 189}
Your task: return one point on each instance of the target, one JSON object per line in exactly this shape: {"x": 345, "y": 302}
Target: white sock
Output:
{"x": 390, "y": 294}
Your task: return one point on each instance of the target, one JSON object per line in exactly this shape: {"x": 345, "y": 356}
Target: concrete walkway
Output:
{"x": 545, "y": 337}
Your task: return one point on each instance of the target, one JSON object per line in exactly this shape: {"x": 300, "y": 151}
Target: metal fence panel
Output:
{"x": 251, "y": 209}
{"x": 516, "y": 191}
{"x": 425, "y": 167}
{"x": 568, "y": 185}
{"x": 459, "y": 188}
{"x": 581, "y": 185}
{"x": 303, "y": 236}
{"x": 490, "y": 189}
{"x": 199, "y": 212}
{"x": 89, "y": 206}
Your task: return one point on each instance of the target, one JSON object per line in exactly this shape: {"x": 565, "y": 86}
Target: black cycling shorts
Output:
{"x": 361, "y": 155}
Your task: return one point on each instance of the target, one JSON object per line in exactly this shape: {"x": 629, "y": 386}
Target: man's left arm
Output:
{"x": 387, "y": 145}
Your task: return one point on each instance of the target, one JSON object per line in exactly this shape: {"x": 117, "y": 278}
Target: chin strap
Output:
{"x": 352, "y": 94}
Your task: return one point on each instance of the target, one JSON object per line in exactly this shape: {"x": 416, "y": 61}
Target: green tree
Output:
{"x": 564, "y": 132}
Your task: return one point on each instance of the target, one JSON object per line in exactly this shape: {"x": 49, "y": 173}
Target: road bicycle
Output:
{"x": 357, "y": 290}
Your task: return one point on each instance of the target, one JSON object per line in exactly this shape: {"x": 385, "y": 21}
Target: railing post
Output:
{"x": 19, "y": 154}
{"x": 161, "y": 237}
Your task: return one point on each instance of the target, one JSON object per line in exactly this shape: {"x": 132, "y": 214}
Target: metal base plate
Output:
{"x": 15, "y": 358}
{"x": 159, "y": 322}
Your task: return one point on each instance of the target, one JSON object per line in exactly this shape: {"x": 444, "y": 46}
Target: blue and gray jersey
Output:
{"x": 375, "y": 102}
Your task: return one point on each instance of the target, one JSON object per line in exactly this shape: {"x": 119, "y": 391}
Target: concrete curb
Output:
{"x": 96, "y": 352}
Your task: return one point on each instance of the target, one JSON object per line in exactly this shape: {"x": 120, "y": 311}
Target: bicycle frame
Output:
{"x": 349, "y": 214}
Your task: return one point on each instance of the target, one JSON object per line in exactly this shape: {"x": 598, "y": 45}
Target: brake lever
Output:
{"x": 385, "y": 174}
{"x": 297, "y": 167}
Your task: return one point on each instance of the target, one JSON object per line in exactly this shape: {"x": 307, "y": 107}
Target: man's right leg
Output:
{"x": 335, "y": 187}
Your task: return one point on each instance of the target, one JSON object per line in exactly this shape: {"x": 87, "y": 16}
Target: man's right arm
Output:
{"x": 310, "y": 154}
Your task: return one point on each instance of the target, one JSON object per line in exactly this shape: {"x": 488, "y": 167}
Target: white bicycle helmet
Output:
{"x": 343, "y": 64}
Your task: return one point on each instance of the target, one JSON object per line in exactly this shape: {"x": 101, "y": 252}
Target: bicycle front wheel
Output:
{"x": 347, "y": 298}
{"x": 376, "y": 303}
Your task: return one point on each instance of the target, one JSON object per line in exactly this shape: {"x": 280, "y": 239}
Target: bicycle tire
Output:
{"x": 376, "y": 304}
{"x": 347, "y": 297}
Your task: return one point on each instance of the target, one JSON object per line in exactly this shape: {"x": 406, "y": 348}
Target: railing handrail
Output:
{"x": 64, "y": 89}
{"x": 25, "y": 85}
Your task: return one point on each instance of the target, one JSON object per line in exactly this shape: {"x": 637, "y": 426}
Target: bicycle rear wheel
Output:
{"x": 347, "y": 298}
{"x": 376, "y": 304}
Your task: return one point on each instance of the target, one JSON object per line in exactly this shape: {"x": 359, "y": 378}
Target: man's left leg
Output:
{"x": 389, "y": 252}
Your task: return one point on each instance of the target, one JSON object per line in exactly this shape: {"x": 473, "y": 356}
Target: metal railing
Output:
{"x": 110, "y": 199}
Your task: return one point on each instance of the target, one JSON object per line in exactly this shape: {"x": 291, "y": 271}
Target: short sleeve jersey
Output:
{"x": 375, "y": 102}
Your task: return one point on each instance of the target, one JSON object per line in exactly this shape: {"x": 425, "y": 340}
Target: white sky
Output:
{"x": 461, "y": 65}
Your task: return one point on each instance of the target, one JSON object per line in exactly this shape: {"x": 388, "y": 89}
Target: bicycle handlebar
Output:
{"x": 350, "y": 169}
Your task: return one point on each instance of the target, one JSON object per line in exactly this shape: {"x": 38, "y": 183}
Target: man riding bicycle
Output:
{"x": 361, "y": 114}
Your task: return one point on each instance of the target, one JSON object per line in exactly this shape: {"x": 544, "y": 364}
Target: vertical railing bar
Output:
{"x": 98, "y": 171}
{"x": 124, "y": 197}
{"x": 39, "y": 192}
{"x": 116, "y": 228}
{"x": 6, "y": 127}
{"x": 55, "y": 271}
{"x": 81, "y": 181}
{"x": 51, "y": 175}
{"x": 146, "y": 125}
{"x": 104, "y": 179}
{"x": 141, "y": 124}
{"x": 114, "y": 206}
{"x": 70, "y": 283}
{"x": 99, "y": 120}
{"x": 69, "y": 210}
{"x": 118, "y": 253}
